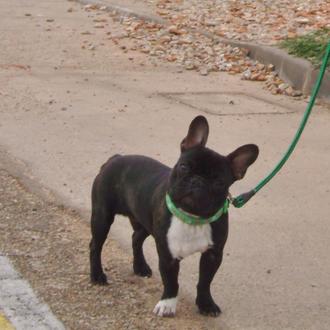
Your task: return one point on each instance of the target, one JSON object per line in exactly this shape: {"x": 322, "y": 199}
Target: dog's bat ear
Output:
{"x": 241, "y": 159}
{"x": 197, "y": 134}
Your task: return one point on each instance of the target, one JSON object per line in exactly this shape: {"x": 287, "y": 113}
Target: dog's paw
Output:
{"x": 142, "y": 270}
{"x": 209, "y": 308}
{"x": 166, "y": 307}
{"x": 99, "y": 279}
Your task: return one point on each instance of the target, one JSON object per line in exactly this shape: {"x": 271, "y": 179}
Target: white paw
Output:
{"x": 166, "y": 307}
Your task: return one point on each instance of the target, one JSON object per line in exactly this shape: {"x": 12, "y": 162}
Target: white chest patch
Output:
{"x": 184, "y": 239}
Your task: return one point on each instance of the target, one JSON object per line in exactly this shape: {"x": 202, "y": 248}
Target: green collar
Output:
{"x": 193, "y": 219}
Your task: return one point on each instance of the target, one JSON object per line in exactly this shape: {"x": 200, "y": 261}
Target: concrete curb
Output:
{"x": 20, "y": 304}
{"x": 300, "y": 73}
{"x": 123, "y": 11}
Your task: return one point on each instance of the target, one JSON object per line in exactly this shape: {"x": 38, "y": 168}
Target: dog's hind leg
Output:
{"x": 140, "y": 265}
{"x": 101, "y": 222}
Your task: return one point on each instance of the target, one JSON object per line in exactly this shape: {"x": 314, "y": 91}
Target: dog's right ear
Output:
{"x": 242, "y": 158}
{"x": 197, "y": 134}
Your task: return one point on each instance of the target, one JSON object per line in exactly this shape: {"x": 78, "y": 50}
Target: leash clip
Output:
{"x": 230, "y": 198}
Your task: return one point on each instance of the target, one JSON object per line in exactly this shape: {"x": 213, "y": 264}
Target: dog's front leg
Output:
{"x": 169, "y": 271}
{"x": 209, "y": 263}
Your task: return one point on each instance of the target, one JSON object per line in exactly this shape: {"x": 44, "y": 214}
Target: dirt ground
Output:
{"x": 48, "y": 244}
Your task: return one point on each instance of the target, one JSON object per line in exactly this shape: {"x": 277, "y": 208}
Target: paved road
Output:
{"x": 71, "y": 99}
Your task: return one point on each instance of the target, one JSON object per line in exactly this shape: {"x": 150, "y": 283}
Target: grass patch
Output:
{"x": 311, "y": 46}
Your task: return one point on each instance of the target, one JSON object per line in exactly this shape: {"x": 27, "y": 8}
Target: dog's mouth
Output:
{"x": 188, "y": 201}
{"x": 195, "y": 205}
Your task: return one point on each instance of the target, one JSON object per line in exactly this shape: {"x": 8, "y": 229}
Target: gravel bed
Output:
{"x": 263, "y": 22}
{"x": 49, "y": 246}
{"x": 190, "y": 50}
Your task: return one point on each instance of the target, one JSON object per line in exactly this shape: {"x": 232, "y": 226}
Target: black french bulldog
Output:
{"x": 197, "y": 186}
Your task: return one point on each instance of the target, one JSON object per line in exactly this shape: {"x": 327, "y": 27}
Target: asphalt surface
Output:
{"x": 66, "y": 109}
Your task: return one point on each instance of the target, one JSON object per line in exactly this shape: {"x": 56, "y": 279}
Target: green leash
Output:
{"x": 242, "y": 199}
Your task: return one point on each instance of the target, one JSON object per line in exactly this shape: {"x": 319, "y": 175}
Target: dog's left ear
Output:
{"x": 197, "y": 134}
{"x": 241, "y": 159}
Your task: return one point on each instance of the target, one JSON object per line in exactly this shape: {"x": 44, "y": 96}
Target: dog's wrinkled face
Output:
{"x": 200, "y": 181}
{"x": 201, "y": 178}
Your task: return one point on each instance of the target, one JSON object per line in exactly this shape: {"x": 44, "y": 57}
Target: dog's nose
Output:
{"x": 196, "y": 182}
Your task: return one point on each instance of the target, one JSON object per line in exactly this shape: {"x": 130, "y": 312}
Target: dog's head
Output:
{"x": 201, "y": 178}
